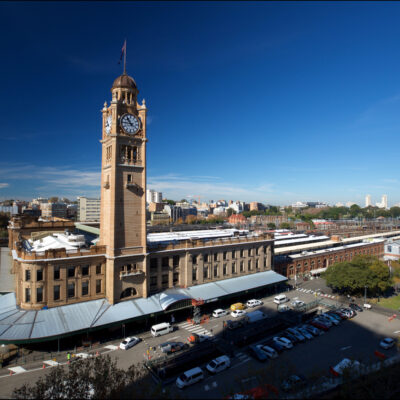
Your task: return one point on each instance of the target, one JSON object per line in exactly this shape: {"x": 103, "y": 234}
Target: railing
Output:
{"x": 131, "y": 273}
{"x": 61, "y": 253}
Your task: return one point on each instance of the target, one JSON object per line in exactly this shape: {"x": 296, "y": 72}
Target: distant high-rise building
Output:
{"x": 368, "y": 200}
{"x": 153, "y": 197}
{"x": 88, "y": 209}
{"x": 50, "y": 210}
{"x": 384, "y": 201}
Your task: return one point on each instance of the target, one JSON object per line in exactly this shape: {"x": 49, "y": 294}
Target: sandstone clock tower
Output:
{"x": 123, "y": 192}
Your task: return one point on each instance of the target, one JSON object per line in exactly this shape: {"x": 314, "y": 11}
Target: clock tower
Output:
{"x": 123, "y": 192}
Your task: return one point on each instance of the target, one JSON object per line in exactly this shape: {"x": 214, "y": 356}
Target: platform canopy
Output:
{"x": 24, "y": 326}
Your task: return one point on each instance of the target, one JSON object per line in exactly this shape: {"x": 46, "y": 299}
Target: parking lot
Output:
{"x": 357, "y": 338}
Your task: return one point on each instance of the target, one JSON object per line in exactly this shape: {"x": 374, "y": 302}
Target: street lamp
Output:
{"x": 365, "y": 294}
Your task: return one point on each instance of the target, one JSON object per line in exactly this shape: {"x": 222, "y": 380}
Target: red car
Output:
{"x": 319, "y": 325}
{"x": 339, "y": 314}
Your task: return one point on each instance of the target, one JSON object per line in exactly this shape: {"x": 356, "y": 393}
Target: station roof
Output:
{"x": 23, "y": 326}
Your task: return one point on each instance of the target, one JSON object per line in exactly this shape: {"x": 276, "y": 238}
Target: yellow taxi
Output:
{"x": 237, "y": 306}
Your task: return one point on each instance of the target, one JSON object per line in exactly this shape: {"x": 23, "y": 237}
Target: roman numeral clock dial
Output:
{"x": 130, "y": 124}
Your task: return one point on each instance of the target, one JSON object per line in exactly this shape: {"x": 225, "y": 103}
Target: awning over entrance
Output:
{"x": 21, "y": 326}
{"x": 317, "y": 271}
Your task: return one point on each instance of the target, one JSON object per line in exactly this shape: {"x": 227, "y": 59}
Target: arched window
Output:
{"x": 128, "y": 292}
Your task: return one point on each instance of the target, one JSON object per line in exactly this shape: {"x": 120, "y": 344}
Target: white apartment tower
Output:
{"x": 367, "y": 200}
{"x": 384, "y": 202}
{"x": 153, "y": 197}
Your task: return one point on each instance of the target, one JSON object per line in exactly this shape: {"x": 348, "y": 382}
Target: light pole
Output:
{"x": 365, "y": 294}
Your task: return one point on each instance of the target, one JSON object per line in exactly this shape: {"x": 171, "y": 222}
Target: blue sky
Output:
{"x": 264, "y": 101}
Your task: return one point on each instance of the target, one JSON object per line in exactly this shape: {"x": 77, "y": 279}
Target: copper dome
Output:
{"x": 124, "y": 81}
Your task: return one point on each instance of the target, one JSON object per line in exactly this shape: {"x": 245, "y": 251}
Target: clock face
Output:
{"x": 130, "y": 124}
{"x": 108, "y": 124}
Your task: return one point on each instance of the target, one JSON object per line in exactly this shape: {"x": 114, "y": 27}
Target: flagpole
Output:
{"x": 125, "y": 59}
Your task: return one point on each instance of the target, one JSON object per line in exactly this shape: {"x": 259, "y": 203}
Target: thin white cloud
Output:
{"x": 4, "y": 185}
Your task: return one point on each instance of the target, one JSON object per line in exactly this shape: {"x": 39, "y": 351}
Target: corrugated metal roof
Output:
{"x": 19, "y": 325}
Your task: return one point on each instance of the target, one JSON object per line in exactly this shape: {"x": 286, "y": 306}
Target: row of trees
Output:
{"x": 352, "y": 277}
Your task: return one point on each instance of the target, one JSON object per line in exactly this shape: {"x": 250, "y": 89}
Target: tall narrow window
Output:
{"x": 215, "y": 271}
{"x": 85, "y": 270}
{"x": 224, "y": 269}
{"x": 27, "y": 275}
{"x": 71, "y": 289}
{"x": 98, "y": 285}
{"x": 98, "y": 269}
{"x": 56, "y": 272}
{"x": 39, "y": 275}
{"x": 194, "y": 274}
{"x": 205, "y": 272}
{"x": 56, "y": 292}
{"x": 27, "y": 295}
{"x": 71, "y": 272}
{"x": 39, "y": 294}
{"x": 233, "y": 268}
{"x": 241, "y": 266}
{"x": 85, "y": 288}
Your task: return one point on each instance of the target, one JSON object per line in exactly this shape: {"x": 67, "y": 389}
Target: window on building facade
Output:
{"x": 205, "y": 272}
{"x": 265, "y": 262}
{"x": 56, "y": 273}
{"x": 194, "y": 274}
{"x": 27, "y": 295}
{"x": 233, "y": 254}
{"x": 215, "y": 271}
{"x": 129, "y": 178}
{"x": 205, "y": 257}
{"x": 85, "y": 270}
{"x": 27, "y": 275}
{"x": 265, "y": 249}
{"x": 153, "y": 263}
{"x": 241, "y": 253}
{"x": 224, "y": 269}
{"x": 257, "y": 251}
{"x": 165, "y": 262}
{"x": 56, "y": 292}
{"x": 71, "y": 289}
{"x": 176, "y": 277}
{"x": 257, "y": 264}
{"x": 164, "y": 279}
{"x": 194, "y": 259}
{"x": 85, "y": 288}
{"x": 98, "y": 285}
{"x": 241, "y": 266}
{"x": 98, "y": 269}
{"x": 249, "y": 265}
{"x": 153, "y": 281}
{"x": 39, "y": 294}
{"x": 233, "y": 268}
{"x": 71, "y": 272}
{"x": 224, "y": 255}
{"x": 175, "y": 261}
{"x": 39, "y": 275}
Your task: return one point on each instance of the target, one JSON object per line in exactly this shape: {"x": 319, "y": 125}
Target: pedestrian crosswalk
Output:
{"x": 242, "y": 357}
{"x": 195, "y": 329}
{"x": 316, "y": 292}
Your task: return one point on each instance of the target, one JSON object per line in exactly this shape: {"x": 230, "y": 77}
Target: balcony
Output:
{"x": 133, "y": 272}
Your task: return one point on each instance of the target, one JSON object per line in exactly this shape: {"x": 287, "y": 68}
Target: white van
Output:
{"x": 280, "y": 299}
{"x": 190, "y": 377}
{"x": 161, "y": 329}
{"x": 219, "y": 313}
{"x": 218, "y": 364}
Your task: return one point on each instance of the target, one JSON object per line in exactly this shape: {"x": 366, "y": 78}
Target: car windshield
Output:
{"x": 124, "y": 342}
{"x": 182, "y": 377}
{"x": 387, "y": 340}
{"x": 213, "y": 364}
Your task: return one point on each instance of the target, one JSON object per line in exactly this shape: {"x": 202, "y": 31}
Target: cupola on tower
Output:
{"x": 123, "y": 188}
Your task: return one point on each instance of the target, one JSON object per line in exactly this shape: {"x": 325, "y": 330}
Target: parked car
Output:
{"x": 237, "y": 306}
{"x": 353, "y": 366}
{"x": 339, "y": 313}
{"x": 258, "y": 353}
{"x": 355, "y": 307}
{"x": 278, "y": 347}
{"x": 319, "y": 325}
{"x": 387, "y": 343}
{"x": 198, "y": 338}
{"x": 190, "y": 377}
{"x": 297, "y": 304}
{"x": 238, "y": 313}
{"x": 219, "y": 313}
{"x": 271, "y": 353}
{"x": 129, "y": 342}
{"x": 324, "y": 320}
{"x": 172, "y": 347}
{"x": 313, "y": 330}
{"x": 291, "y": 337}
{"x": 293, "y": 383}
{"x": 334, "y": 315}
{"x": 305, "y": 333}
{"x": 254, "y": 303}
{"x": 333, "y": 320}
{"x": 296, "y": 333}
{"x": 218, "y": 364}
{"x": 232, "y": 325}
{"x": 285, "y": 342}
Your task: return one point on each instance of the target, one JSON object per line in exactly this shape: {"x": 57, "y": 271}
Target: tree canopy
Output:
{"x": 352, "y": 276}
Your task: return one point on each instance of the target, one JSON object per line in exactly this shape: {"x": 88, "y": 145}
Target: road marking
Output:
{"x": 239, "y": 364}
{"x": 175, "y": 337}
{"x": 345, "y": 348}
{"x": 111, "y": 347}
{"x": 17, "y": 370}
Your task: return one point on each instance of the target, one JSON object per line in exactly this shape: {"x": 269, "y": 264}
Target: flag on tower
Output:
{"x": 123, "y": 51}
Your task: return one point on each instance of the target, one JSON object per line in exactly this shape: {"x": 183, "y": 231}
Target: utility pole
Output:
{"x": 365, "y": 294}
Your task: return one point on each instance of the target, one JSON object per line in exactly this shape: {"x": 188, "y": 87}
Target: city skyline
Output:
{"x": 289, "y": 106}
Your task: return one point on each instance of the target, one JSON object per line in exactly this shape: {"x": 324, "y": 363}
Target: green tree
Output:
{"x": 53, "y": 199}
{"x": 271, "y": 225}
{"x": 229, "y": 212}
{"x": 352, "y": 276}
{"x": 285, "y": 225}
{"x": 170, "y": 202}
